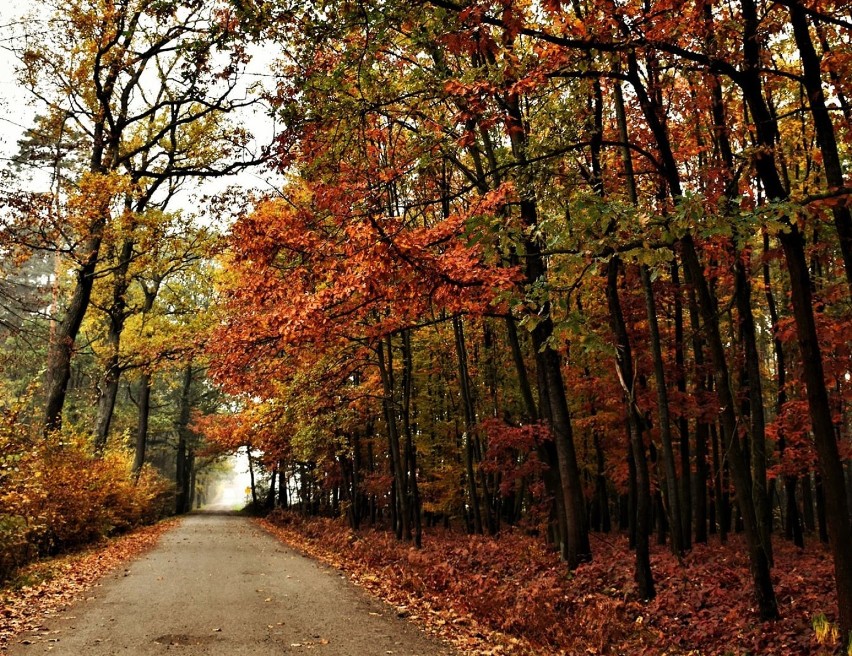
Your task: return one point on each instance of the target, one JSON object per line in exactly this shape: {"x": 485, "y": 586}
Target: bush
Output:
{"x": 56, "y": 495}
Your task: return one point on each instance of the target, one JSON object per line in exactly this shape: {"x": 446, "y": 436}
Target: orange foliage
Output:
{"x": 510, "y": 595}
{"x": 55, "y": 495}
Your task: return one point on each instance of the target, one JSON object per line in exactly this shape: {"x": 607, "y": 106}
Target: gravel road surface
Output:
{"x": 218, "y": 584}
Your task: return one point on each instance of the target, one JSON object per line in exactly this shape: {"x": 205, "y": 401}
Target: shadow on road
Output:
{"x": 214, "y": 509}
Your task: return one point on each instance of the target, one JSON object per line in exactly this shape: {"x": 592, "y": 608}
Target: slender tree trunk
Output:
{"x": 548, "y": 360}
{"x": 252, "y": 480}
{"x": 195, "y": 499}
{"x": 410, "y": 447}
{"x": 673, "y": 492}
{"x": 793, "y": 526}
{"x": 116, "y": 315}
{"x": 270, "y": 494}
{"x": 401, "y": 486}
{"x": 142, "y": 427}
{"x": 757, "y": 441}
{"x": 624, "y": 366}
{"x": 758, "y": 555}
{"x": 469, "y": 422}
{"x": 683, "y": 422}
{"x": 600, "y": 486}
{"x": 632, "y": 493}
{"x": 60, "y": 350}
{"x": 182, "y": 502}
{"x": 702, "y": 429}
{"x": 819, "y": 497}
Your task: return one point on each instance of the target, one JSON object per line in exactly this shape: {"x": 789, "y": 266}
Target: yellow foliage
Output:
{"x": 54, "y": 494}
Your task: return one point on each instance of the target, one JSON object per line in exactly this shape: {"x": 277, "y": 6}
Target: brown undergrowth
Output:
{"x": 43, "y": 588}
{"x": 511, "y": 595}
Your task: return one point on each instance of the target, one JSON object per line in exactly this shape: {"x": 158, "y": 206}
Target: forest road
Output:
{"x": 218, "y": 584}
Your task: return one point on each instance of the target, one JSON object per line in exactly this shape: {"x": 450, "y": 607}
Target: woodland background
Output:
{"x": 575, "y": 275}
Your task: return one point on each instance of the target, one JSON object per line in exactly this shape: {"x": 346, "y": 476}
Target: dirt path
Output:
{"x": 217, "y": 584}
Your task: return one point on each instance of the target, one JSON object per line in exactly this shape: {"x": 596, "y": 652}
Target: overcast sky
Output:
{"x": 15, "y": 112}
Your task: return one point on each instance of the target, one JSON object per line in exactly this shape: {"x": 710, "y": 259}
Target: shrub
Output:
{"x": 56, "y": 495}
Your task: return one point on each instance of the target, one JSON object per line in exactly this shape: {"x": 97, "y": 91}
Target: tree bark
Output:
{"x": 403, "y": 528}
{"x": 469, "y": 423}
{"x": 674, "y": 511}
{"x": 142, "y": 427}
{"x": 61, "y": 348}
{"x": 683, "y": 422}
{"x": 624, "y": 366}
{"x": 183, "y": 502}
{"x": 116, "y": 315}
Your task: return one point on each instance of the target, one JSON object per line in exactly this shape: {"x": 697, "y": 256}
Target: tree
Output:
{"x": 149, "y": 85}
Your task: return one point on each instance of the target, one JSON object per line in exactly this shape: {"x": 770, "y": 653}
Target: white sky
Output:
{"x": 15, "y": 113}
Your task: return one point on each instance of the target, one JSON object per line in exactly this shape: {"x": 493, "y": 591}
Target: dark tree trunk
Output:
{"x": 403, "y": 526}
{"x": 751, "y": 374}
{"x": 632, "y": 491}
{"x": 683, "y": 422}
{"x": 548, "y": 362}
{"x": 702, "y": 429}
{"x": 61, "y": 347}
{"x": 819, "y": 497}
{"x": 469, "y": 424}
{"x": 672, "y": 489}
{"x": 410, "y": 447}
{"x": 624, "y": 365}
{"x": 759, "y": 558}
{"x": 270, "y": 494}
{"x": 142, "y": 427}
{"x": 605, "y": 522}
{"x": 254, "y": 486}
{"x": 182, "y": 472}
{"x": 117, "y": 314}
{"x": 808, "y": 503}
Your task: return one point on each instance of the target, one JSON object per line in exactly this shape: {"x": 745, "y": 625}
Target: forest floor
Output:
{"x": 511, "y": 595}
{"x": 214, "y": 584}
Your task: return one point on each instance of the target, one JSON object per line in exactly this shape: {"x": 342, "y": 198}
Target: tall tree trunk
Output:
{"x": 624, "y": 365}
{"x": 61, "y": 348}
{"x": 757, "y": 441}
{"x": 252, "y": 484}
{"x": 673, "y": 491}
{"x": 117, "y": 314}
{"x": 548, "y": 362}
{"x": 702, "y": 429}
{"x": 144, "y": 415}
{"x": 683, "y": 422}
{"x": 758, "y": 555}
{"x": 182, "y": 473}
{"x": 469, "y": 423}
{"x": 410, "y": 447}
{"x": 385, "y": 362}
{"x": 793, "y": 529}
